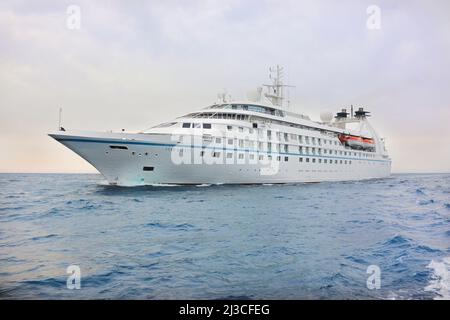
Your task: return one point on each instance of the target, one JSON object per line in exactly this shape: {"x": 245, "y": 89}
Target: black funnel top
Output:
{"x": 360, "y": 113}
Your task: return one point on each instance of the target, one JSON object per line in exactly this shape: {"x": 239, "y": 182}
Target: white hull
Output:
{"x": 126, "y": 166}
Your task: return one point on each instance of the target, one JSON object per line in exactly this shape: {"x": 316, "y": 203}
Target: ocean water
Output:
{"x": 294, "y": 241}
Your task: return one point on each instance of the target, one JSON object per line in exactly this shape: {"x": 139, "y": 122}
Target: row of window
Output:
{"x": 301, "y": 139}
{"x": 229, "y": 155}
{"x": 241, "y": 143}
{"x": 280, "y": 135}
{"x": 288, "y": 137}
{"x": 330, "y": 161}
{"x": 196, "y": 125}
{"x": 254, "y": 108}
{"x": 235, "y": 116}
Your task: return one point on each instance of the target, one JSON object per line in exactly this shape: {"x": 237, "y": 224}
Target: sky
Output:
{"x": 134, "y": 64}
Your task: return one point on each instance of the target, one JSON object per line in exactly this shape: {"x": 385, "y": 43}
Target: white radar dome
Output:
{"x": 326, "y": 116}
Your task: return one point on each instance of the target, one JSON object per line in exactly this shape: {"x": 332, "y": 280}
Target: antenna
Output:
{"x": 276, "y": 89}
{"x": 59, "y": 120}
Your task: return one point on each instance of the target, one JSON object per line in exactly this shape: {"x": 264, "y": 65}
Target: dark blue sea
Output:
{"x": 295, "y": 241}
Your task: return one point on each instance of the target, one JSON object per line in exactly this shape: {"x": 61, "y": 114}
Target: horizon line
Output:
{"x": 49, "y": 172}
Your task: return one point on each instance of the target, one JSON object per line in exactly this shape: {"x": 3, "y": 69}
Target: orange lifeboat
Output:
{"x": 368, "y": 141}
{"x": 356, "y": 141}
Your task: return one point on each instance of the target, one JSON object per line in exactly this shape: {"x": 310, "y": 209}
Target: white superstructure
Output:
{"x": 255, "y": 141}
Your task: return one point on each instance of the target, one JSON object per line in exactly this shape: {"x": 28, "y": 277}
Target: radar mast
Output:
{"x": 276, "y": 90}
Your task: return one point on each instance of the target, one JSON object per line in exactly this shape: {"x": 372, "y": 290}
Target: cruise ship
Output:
{"x": 256, "y": 141}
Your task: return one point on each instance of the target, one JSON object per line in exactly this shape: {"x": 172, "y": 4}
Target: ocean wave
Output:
{"x": 48, "y": 282}
{"x": 48, "y": 236}
{"x": 397, "y": 240}
{"x": 420, "y": 191}
{"x": 440, "y": 279}
{"x": 12, "y": 208}
{"x": 12, "y": 197}
{"x": 356, "y": 260}
{"x": 426, "y": 249}
{"x": 425, "y": 202}
{"x": 182, "y": 226}
{"x": 83, "y": 204}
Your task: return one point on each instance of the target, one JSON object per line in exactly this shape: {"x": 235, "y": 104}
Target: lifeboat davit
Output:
{"x": 356, "y": 142}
